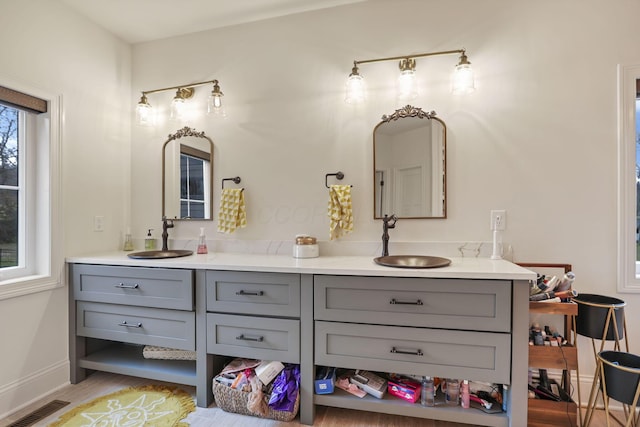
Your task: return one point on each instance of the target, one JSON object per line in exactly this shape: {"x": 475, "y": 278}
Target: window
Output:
{"x": 629, "y": 179}
{"x": 11, "y": 179}
{"x": 29, "y": 188}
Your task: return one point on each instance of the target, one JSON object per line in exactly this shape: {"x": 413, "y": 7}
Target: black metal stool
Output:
{"x": 600, "y": 318}
{"x": 620, "y": 381}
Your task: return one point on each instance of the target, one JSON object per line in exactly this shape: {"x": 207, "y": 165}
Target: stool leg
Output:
{"x": 575, "y": 343}
{"x": 605, "y": 396}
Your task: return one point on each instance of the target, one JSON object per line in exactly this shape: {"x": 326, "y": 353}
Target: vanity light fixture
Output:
{"x": 462, "y": 80}
{"x": 144, "y": 110}
{"x": 214, "y": 102}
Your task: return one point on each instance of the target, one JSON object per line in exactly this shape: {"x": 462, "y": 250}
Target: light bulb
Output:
{"x": 407, "y": 85}
{"x": 355, "y": 88}
{"x": 462, "y": 80}
{"x": 144, "y": 112}
{"x": 214, "y": 104}
{"x": 214, "y": 101}
{"x": 177, "y": 107}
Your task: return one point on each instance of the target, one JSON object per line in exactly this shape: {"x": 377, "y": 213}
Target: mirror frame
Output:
{"x": 410, "y": 111}
{"x": 181, "y": 133}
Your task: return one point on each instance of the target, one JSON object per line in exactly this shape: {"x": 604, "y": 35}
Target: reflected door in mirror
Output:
{"x": 409, "y": 166}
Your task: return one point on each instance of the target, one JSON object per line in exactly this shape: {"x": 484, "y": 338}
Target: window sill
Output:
{"x": 27, "y": 285}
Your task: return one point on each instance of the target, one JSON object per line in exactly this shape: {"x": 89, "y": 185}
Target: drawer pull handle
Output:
{"x": 414, "y": 353}
{"x": 123, "y": 286}
{"x": 130, "y": 325}
{"x": 245, "y": 338}
{"x": 395, "y": 301}
{"x": 256, "y": 293}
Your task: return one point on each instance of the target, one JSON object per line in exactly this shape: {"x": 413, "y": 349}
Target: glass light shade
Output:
{"x": 177, "y": 108}
{"x": 214, "y": 103}
{"x": 407, "y": 85}
{"x": 144, "y": 114}
{"x": 355, "y": 89}
{"x": 463, "y": 80}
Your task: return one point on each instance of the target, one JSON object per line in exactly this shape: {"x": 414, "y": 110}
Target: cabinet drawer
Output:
{"x": 271, "y": 294}
{"x": 479, "y": 356}
{"x": 254, "y": 337}
{"x": 139, "y": 286}
{"x": 483, "y": 305}
{"x": 137, "y": 325}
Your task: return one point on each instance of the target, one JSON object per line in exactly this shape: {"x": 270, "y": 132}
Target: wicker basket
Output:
{"x": 231, "y": 400}
{"x": 153, "y": 352}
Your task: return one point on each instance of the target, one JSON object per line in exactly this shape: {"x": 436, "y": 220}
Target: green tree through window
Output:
{"x": 9, "y": 186}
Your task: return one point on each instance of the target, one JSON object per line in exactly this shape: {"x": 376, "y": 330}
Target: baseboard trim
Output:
{"x": 24, "y": 392}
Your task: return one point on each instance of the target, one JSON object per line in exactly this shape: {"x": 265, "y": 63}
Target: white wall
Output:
{"x": 537, "y": 138}
{"x": 49, "y": 49}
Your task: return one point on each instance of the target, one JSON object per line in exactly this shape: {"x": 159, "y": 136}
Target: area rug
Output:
{"x": 148, "y": 406}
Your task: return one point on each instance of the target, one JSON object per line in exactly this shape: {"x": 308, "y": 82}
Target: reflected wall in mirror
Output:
{"x": 187, "y": 176}
{"x": 409, "y": 165}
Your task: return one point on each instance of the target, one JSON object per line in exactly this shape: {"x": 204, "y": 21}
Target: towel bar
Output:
{"x": 338, "y": 175}
{"x": 235, "y": 180}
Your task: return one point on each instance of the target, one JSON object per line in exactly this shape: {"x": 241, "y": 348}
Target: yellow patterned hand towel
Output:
{"x": 340, "y": 211}
{"x": 232, "y": 213}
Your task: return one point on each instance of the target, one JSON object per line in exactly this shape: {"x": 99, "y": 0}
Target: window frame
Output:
{"x": 628, "y": 267}
{"x": 44, "y": 253}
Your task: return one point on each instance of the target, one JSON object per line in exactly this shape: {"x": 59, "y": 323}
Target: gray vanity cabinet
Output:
{"x": 458, "y": 328}
{"x": 446, "y": 327}
{"x": 115, "y": 311}
{"x": 250, "y": 314}
{"x": 254, "y": 315}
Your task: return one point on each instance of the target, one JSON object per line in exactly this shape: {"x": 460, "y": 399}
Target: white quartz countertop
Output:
{"x": 460, "y": 267}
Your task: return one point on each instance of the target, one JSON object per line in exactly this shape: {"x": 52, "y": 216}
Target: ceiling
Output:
{"x": 136, "y": 21}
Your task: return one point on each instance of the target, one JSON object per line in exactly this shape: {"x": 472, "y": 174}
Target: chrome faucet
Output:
{"x": 166, "y": 224}
{"x": 387, "y": 223}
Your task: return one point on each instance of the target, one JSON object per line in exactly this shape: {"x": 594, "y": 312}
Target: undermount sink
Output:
{"x": 175, "y": 253}
{"x": 412, "y": 261}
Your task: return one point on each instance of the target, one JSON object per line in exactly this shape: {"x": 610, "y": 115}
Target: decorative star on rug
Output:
{"x": 135, "y": 413}
{"x": 148, "y": 406}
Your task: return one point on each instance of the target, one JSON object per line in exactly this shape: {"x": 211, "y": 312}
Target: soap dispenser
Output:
{"x": 149, "y": 241}
{"x": 202, "y": 242}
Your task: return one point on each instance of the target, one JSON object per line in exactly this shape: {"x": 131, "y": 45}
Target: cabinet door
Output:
{"x": 269, "y": 294}
{"x": 140, "y": 286}
{"x": 479, "y": 305}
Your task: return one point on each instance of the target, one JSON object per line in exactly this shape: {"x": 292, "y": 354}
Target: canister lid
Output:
{"x": 303, "y": 239}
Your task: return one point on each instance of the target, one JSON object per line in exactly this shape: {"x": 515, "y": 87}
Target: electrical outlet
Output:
{"x": 498, "y": 220}
{"x": 98, "y": 223}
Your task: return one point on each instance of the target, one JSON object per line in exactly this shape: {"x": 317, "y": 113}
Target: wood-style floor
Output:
{"x": 101, "y": 383}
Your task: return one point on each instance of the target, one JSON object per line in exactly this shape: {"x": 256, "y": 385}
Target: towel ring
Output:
{"x": 235, "y": 180}
{"x": 338, "y": 175}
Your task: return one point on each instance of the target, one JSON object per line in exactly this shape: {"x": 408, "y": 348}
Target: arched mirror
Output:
{"x": 187, "y": 176}
{"x": 409, "y": 165}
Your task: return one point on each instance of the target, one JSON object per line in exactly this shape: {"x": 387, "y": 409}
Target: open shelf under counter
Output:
{"x": 392, "y": 405}
{"x": 127, "y": 359}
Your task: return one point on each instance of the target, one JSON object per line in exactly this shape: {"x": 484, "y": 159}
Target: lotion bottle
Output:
{"x": 464, "y": 394}
{"x": 202, "y": 242}
{"x": 149, "y": 241}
